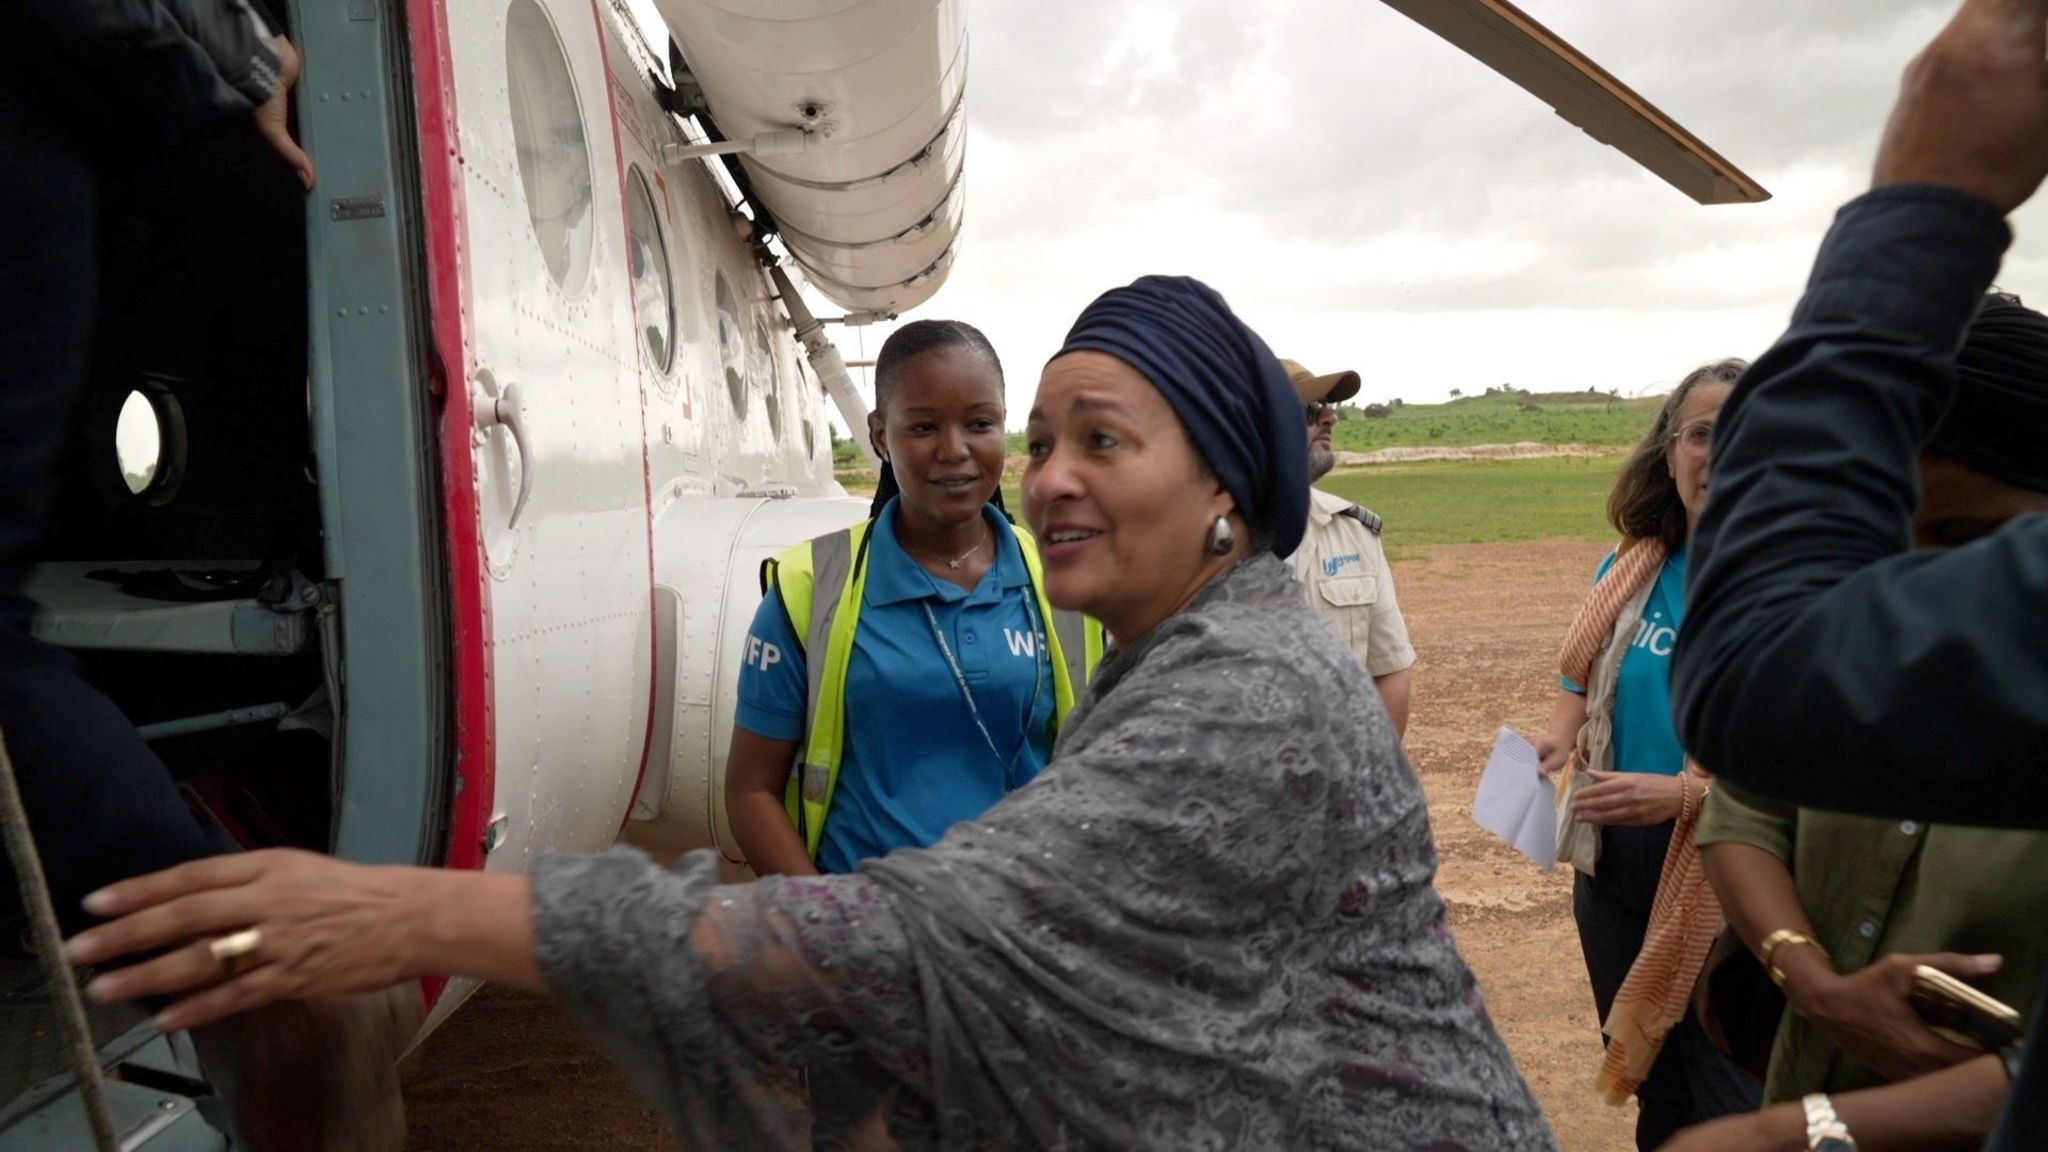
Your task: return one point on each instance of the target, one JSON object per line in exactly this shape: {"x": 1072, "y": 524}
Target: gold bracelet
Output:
{"x": 1767, "y": 952}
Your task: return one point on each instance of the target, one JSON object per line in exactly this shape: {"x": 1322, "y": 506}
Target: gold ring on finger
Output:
{"x": 236, "y": 951}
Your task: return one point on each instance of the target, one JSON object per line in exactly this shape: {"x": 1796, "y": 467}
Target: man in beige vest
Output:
{"x": 1340, "y": 563}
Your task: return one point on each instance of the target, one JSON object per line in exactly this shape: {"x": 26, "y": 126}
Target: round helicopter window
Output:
{"x": 138, "y": 442}
{"x": 547, "y": 132}
{"x": 149, "y": 443}
{"x": 653, "y": 299}
{"x": 729, "y": 349}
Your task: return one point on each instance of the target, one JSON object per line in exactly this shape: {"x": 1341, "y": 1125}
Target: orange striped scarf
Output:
{"x": 1685, "y": 917}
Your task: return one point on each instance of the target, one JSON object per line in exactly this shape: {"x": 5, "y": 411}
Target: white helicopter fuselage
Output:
{"x": 603, "y": 558}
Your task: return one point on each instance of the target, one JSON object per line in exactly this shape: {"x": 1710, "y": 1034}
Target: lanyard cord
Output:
{"x": 1005, "y": 763}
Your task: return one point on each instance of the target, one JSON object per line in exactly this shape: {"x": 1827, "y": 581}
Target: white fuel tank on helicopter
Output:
{"x": 853, "y": 113}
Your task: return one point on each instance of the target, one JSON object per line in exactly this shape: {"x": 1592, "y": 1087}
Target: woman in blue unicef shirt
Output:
{"x": 1613, "y": 716}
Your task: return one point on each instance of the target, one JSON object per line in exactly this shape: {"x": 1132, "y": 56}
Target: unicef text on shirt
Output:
{"x": 1657, "y": 639}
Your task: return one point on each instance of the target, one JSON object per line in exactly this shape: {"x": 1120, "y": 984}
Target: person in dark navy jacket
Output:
{"x": 1823, "y": 662}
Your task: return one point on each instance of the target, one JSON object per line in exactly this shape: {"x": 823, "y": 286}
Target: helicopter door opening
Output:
{"x": 184, "y": 559}
{"x": 243, "y": 550}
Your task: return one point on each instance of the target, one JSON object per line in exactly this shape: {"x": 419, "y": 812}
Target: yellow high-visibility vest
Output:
{"x": 831, "y": 570}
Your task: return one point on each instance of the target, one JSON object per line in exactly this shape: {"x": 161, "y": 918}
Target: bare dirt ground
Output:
{"x": 508, "y": 1072}
{"x": 1487, "y": 620}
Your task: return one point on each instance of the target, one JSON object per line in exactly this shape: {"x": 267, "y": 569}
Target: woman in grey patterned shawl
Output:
{"x": 1210, "y": 923}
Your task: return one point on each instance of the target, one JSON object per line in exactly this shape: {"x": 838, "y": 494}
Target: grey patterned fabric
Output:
{"x": 1209, "y": 924}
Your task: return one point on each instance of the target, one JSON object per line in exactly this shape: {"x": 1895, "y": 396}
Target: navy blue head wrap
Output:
{"x": 1998, "y": 422}
{"x": 1226, "y": 386}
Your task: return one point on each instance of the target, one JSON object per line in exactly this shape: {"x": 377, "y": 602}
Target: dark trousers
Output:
{"x": 101, "y": 805}
{"x": 1690, "y": 1083}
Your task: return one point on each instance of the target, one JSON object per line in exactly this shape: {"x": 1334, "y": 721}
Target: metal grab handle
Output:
{"x": 505, "y": 412}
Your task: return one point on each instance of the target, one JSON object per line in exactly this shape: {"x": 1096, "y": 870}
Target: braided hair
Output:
{"x": 904, "y": 345}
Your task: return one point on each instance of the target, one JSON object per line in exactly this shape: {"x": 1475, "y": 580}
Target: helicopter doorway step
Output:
{"x": 145, "y": 1120}
{"x": 39, "y": 1105}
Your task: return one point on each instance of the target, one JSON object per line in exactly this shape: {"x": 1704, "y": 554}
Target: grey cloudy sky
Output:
{"x": 1369, "y": 197}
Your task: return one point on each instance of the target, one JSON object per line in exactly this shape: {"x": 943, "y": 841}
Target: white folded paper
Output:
{"x": 1515, "y": 802}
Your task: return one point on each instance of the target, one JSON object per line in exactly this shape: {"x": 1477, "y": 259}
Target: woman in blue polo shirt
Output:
{"x": 949, "y": 695}
{"x": 1614, "y": 714}
{"x": 941, "y": 694}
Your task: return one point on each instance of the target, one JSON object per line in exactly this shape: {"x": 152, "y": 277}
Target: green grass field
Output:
{"x": 1454, "y": 501}
{"x": 1467, "y": 501}
{"x": 1475, "y": 501}
{"x": 1464, "y": 501}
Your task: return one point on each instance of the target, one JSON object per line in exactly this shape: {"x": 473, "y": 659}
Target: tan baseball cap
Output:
{"x": 1335, "y": 387}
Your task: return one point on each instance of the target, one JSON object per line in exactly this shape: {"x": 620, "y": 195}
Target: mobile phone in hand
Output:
{"x": 1961, "y": 1013}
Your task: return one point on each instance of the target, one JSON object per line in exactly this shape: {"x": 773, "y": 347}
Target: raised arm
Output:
{"x": 1820, "y": 663}
{"x": 178, "y": 64}
{"x": 1897, "y": 683}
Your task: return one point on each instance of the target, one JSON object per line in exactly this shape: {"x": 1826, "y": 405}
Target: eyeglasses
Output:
{"x": 1315, "y": 411}
{"x": 1697, "y": 436}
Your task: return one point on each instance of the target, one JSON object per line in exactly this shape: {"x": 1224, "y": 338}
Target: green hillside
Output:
{"x": 1501, "y": 418}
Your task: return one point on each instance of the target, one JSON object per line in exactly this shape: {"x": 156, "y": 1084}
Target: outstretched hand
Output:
{"x": 326, "y": 928}
{"x": 272, "y": 122}
{"x": 1973, "y": 109}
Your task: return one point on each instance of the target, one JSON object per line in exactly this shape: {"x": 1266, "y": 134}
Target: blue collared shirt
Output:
{"x": 915, "y": 763}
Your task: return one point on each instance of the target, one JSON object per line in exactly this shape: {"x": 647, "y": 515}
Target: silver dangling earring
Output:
{"x": 1221, "y": 537}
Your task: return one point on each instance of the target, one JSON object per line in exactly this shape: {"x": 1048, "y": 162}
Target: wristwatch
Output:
{"x": 1825, "y": 1131}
